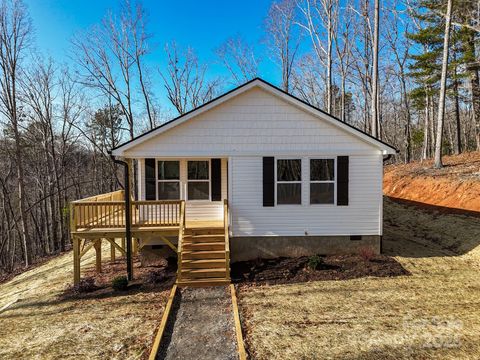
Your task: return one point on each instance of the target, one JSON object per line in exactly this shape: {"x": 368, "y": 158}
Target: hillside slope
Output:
{"x": 456, "y": 185}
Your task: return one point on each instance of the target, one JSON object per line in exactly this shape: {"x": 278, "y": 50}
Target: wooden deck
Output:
{"x": 200, "y": 244}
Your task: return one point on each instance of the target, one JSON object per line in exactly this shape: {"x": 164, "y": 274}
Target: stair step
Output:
{"x": 203, "y": 273}
{"x": 203, "y": 264}
{"x": 204, "y": 282}
{"x": 204, "y": 238}
{"x": 204, "y": 246}
{"x": 211, "y": 254}
{"x": 204, "y": 231}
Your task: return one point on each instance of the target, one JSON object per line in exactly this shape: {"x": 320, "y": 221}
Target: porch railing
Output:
{"x": 156, "y": 213}
{"x": 108, "y": 211}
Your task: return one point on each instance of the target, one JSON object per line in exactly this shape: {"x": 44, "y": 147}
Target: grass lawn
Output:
{"x": 37, "y": 322}
{"x": 432, "y": 314}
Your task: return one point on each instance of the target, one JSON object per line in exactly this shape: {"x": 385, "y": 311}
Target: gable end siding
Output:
{"x": 253, "y": 123}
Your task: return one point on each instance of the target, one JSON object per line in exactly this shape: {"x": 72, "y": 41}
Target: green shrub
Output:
{"x": 315, "y": 262}
{"x": 120, "y": 283}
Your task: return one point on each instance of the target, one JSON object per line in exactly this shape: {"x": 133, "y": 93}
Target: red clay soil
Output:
{"x": 455, "y": 186}
{"x": 296, "y": 270}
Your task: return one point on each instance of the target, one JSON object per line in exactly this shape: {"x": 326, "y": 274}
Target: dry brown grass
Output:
{"x": 38, "y": 323}
{"x": 432, "y": 314}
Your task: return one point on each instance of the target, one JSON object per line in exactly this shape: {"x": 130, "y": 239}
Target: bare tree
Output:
{"x": 185, "y": 80}
{"x": 15, "y": 37}
{"x": 343, "y": 44}
{"x": 319, "y": 16}
{"x": 282, "y": 39}
{"x": 374, "y": 104}
{"x": 400, "y": 45}
{"x": 308, "y": 79}
{"x": 443, "y": 88}
{"x": 111, "y": 57}
{"x": 239, "y": 58}
{"x": 134, "y": 19}
{"x": 362, "y": 60}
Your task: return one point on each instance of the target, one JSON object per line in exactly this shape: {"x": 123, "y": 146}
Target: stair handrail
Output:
{"x": 227, "y": 235}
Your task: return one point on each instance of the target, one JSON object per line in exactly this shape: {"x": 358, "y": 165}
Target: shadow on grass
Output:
{"x": 418, "y": 230}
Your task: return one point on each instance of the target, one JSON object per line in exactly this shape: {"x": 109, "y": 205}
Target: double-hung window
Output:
{"x": 322, "y": 181}
{"x": 198, "y": 180}
{"x": 289, "y": 181}
{"x": 168, "y": 177}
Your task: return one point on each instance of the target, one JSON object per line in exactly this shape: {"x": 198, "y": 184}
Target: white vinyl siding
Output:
{"x": 255, "y": 124}
{"x": 252, "y": 123}
{"x": 361, "y": 217}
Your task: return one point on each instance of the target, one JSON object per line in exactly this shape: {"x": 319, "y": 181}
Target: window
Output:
{"x": 198, "y": 180}
{"x": 168, "y": 175}
{"x": 289, "y": 181}
{"x": 322, "y": 181}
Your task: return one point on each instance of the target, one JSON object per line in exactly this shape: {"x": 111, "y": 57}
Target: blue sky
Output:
{"x": 203, "y": 25}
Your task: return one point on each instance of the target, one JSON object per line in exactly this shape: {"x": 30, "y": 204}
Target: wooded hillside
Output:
{"x": 406, "y": 71}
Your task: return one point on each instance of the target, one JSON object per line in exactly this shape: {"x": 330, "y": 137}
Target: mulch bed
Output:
{"x": 295, "y": 270}
{"x": 160, "y": 276}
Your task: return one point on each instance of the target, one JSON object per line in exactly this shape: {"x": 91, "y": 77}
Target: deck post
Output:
{"x": 135, "y": 246}
{"x": 98, "y": 255}
{"x": 76, "y": 260}
{"x": 123, "y": 243}
{"x": 112, "y": 250}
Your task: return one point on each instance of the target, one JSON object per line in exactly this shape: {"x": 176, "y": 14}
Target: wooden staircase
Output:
{"x": 204, "y": 256}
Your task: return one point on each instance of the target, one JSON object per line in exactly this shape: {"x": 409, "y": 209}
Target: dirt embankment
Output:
{"x": 456, "y": 185}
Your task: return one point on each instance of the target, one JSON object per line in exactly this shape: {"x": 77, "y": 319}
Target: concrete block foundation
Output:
{"x": 269, "y": 247}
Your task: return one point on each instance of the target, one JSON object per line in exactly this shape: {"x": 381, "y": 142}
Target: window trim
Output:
{"x": 288, "y": 182}
{"x": 187, "y": 180}
{"x": 334, "y": 181}
{"x": 169, "y": 180}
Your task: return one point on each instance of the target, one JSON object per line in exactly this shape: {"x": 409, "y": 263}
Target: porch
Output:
{"x": 174, "y": 223}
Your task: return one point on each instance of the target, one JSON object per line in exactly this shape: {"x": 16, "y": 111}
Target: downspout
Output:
{"x": 128, "y": 232}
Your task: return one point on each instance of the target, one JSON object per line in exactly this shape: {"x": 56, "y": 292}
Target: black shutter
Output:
{"x": 268, "y": 181}
{"x": 150, "y": 180}
{"x": 216, "y": 170}
{"x": 342, "y": 180}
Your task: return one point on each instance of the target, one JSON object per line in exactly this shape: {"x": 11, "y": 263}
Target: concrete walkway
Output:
{"x": 201, "y": 326}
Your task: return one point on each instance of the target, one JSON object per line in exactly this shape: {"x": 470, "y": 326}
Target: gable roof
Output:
{"x": 257, "y": 82}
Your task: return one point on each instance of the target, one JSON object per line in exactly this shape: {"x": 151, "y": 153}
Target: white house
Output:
{"x": 298, "y": 180}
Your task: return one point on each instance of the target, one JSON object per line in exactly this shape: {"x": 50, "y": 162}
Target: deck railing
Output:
{"x": 156, "y": 213}
{"x": 108, "y": 211}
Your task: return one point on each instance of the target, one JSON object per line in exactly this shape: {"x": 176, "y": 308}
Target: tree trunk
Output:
{"x": 443, "y": 88}
{"x": 475, "y": 86}
{"x": 342, "y": 100}
{"x": 375, "y": 72}
{"x": 329, "y": 59}
{"x": 458, "y": 143}
{"x": 426, "y": 127}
